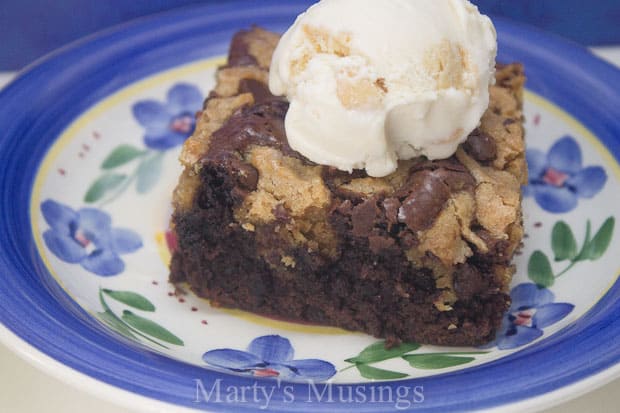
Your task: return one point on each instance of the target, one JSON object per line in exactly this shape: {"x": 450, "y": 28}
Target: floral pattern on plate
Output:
{"x": 270, "y": 356}
{"x": 166, "y": 125}
{"x": 558, "y": 178}
{"x": 86, "y": 237}
{"x": 532, "y": 309}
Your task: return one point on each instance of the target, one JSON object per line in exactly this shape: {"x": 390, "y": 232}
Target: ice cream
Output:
{"x": 370, "y": 82}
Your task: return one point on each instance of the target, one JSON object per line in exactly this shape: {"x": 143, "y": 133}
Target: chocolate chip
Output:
{"x": 391, "y": 206}
{"x": 408, "y": 240}
{"x": 363, "y": 217}
{"x": 281, "y": 213}
{"x": 378, "y": 243}
{"x": 456, "y": 180}
{"x": 497, "y": 247}
{"x": 247, "y": 176}
{"x": 427, "y": 195}
{"x": 345, "y": 207}
{"x": 450, "y": 170}
{"x": 238, "y": 194}
{"x": 481, "y": 146}
{"x": 468, "y": 281}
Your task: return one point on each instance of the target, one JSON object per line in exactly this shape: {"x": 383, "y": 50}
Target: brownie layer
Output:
{"x": 421, "y": 255}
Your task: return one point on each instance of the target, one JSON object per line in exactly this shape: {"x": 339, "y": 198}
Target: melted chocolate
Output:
{"x": 239, "y": 54}
{"x": 261, "y": 124}
{"x": 258, "y": 89}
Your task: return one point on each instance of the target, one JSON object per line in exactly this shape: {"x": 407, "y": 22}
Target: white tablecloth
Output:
{"x": 25, "y": 389}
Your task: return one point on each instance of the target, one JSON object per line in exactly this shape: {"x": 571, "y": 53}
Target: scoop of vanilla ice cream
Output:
{"x": 370, "y": 82}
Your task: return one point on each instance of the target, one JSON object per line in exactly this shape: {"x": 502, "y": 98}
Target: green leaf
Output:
{"x": 435, "y": 361}
{"x": 121, "y": 155}
{"x": 374, "y": 373}
{"x": 460, "y": 353}
{"x": 148, "y": 173}
{"x": 103, "y": 186}
{"x": 151, "y": 328}
{"x": 131, "y": 299}
{"x": 539, "y": 269}
{"x": 117, "y": 325}
{"x": 377, "y": 352}
{"x": 601, "y": 240}
{"x": 586, "y": 242}
{"x": 563, "y": 242}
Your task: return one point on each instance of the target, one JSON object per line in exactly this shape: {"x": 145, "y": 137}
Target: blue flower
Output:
{"x": 87, "y": 237}
{"x": 558, "y": 179}
{"x": 270, "y": 356}
{"x": 532, "y": 309}
{"x": 169, "y": 124}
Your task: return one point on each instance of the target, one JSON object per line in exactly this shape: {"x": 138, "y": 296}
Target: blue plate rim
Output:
{"x": 519, "y": 40}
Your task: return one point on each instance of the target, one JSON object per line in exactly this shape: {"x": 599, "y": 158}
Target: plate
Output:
{"x": 89, "y": 146}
